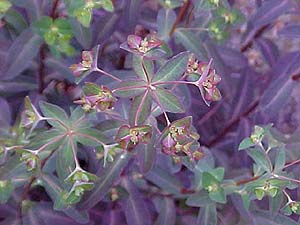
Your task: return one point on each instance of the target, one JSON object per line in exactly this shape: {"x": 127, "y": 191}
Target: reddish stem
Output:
{"x": 180, "y": 16}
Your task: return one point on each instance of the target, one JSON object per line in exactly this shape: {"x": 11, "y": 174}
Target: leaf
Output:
{"x": 16, "y": 20}
{"x": 146, "y": 155}
{"x": 60, "y": 66}
{"x": 278, "y": 92}
{"x": 264, "y": 217}
{"x": 6, "y": 189}
{"x": 269, "y": 50}
{"x": 218, "y": 195}
{"x": 167, "y": 212}
{"x": 269, "y": 11}
{"x": 90, "y": 137}
{"x": 65, "y": 160}
{"x": 199, "y": 199}
{"x": 246, "y": 143}
{"x": 54, "y": 112}
{"x": 260, "y": 159}
{"x": 173, "y": 69}
{"x": 143, "y": 67}
{"x": 168, "y": 101}
{"x": 82, "y": 34}
{"x": 207, "y": 215}
{"x": 191, "y": 42}
{"x": 107, "y": 177}
{"x": 130, "y": 89}
{"x": 164, "y": 180}
{"x": 279, "y": 160}
{"x": 165, "y": 20}
{"x": 55, "y": 191}
{"x": 290, "y": 31}
{"x": 21, "y": 53}
{"x": 136, "y": 210}
{"x": 140, "y": 109}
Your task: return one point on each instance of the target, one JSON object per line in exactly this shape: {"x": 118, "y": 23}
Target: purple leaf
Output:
{"x": 136, "y": 210}
{"x": 107, "y": 177}
{"x": 269, "y": 50}
{"x": 20, "y": 53}
{"x": 167, "y": 212}
{"x": 269, "y": 11}
{"x": 290, "y": 31}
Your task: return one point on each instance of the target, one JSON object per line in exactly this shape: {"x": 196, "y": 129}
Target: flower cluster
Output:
{"x": 85, "y": 65}
{"x": 95, "y": 97}
{"x": 143, "y": 46}
{"x": 30, "y": 159}
{"x": 178, "y": 140}
{"x": 206, "y": 78}
{"x": 128, "y": 137}
{"x": 82, "y": 181}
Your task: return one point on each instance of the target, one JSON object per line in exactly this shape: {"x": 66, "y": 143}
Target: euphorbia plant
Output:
{"x": 133, "y": 112}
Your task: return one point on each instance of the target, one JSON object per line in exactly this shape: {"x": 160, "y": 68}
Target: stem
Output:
{"x": 241, "y": 182}
{"x": 53, "y": 10}
{"x": 107, "y": 74}
{"x": 145, "y": 71}
{"x": 287, "y": 196}
{"x": 73, "y": 147}
{"x": 162, "y": 108}
{"x": 181, "y": 14}
{"x": 139, "y": 109}
{"x": 292, "y": 163}
{"x": 286, "y": 178}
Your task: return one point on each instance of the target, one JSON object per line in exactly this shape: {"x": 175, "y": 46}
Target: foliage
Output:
{"x": 149, "y": 112}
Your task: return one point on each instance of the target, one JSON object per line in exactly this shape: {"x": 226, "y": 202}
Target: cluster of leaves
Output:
{"x": 114, "y": 136}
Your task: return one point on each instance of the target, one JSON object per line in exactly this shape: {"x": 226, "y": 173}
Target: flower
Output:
{"x": 143, "y": 45}
{"x": 95, "y": 97}
{"x": 30, "y": 116}
{"x": 179, "y": 140}
{"x": 85, "y": 65}
{"x": 128, "y": 137}
{"x": 206, "y": 79}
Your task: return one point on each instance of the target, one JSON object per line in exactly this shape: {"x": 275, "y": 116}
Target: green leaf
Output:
{"x": 90, "y": 137}
{"x": 260, "y": 159}
{"x": 133, "y": 88}
{"x": 218, "y": 195}
{"x": 173, "y": 69}
{"x": 209, "y": 180}
{"x": 54, "y": 112}
{"x": 260, "y": 193}
{"x": 218, "y": 173}
{"x": 43, "y": 25}
{"x": 108, "y": 5}
{"x": 279, "y": 160}
{"x": 6, "y": 188}
{"x": 140, "y": 109}
{"x": 146, "y": 155}
{"x": 84, "y": 16}
{"x": 144, "y": 68}
{"x": 65, "y": 160}
{"x": 168, "y": 101}
{"x": 246, "y": 143}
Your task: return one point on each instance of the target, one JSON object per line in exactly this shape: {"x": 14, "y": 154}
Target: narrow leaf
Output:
{"x": 168, "y": 101}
